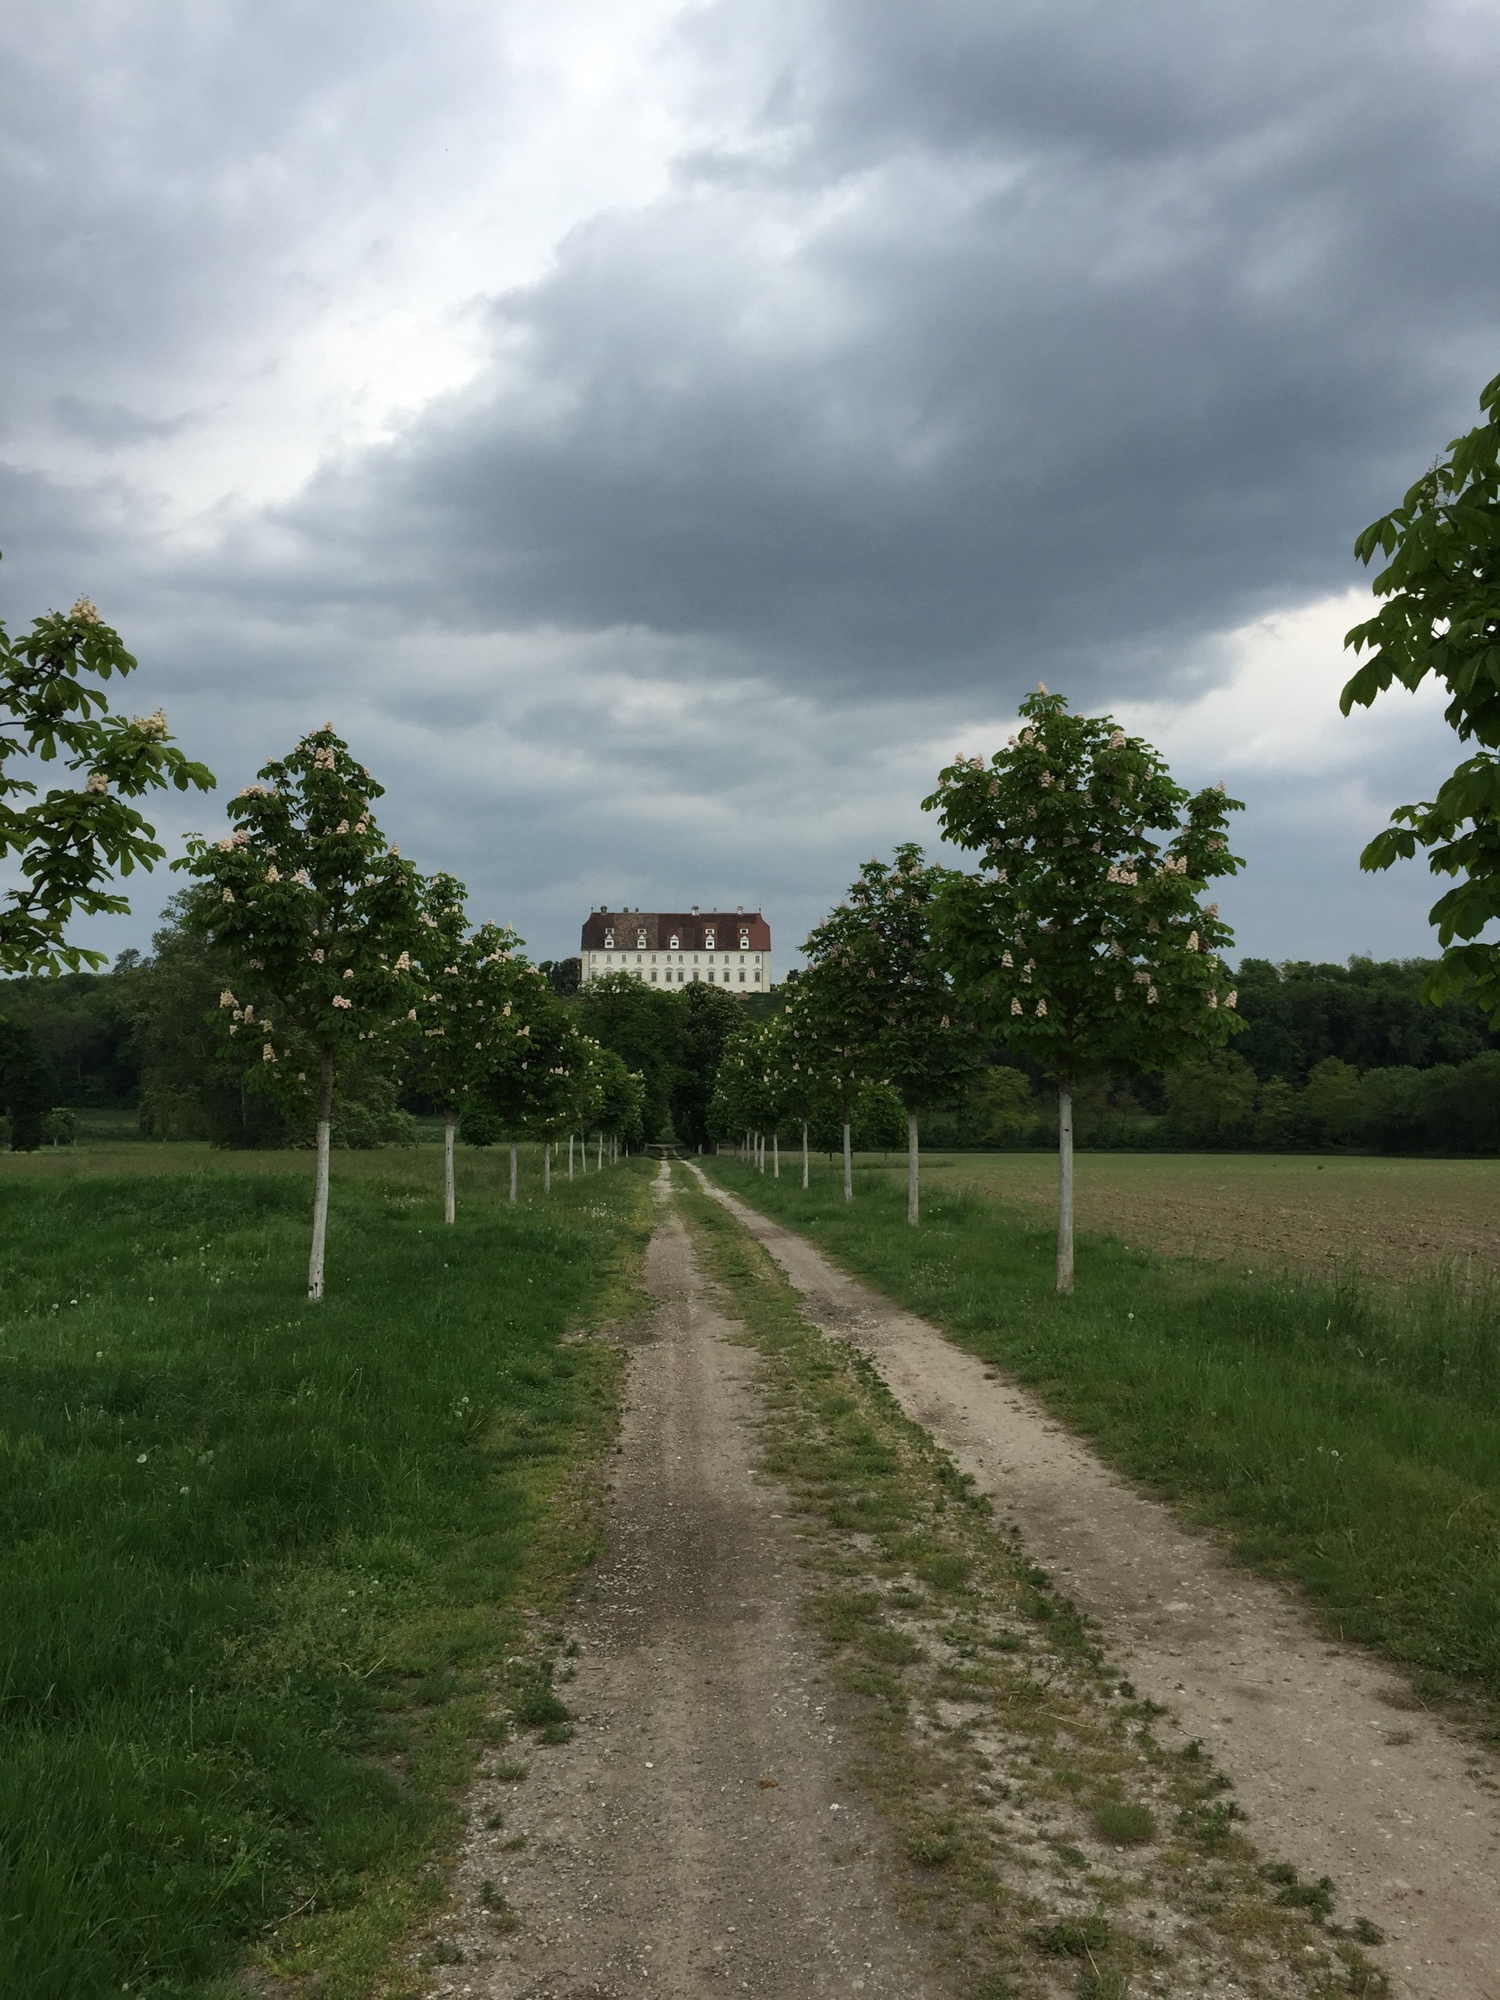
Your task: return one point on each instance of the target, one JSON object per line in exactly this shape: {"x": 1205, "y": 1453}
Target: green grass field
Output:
{"x": 1343, "y": 1432}
{"x": 261, "y": 1559}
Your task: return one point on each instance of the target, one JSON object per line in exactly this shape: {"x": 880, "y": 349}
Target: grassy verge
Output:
{"x": 1043, "y": 1829}
{"x": 1346, "y": 1435}
{"x": 261, "y": 1558}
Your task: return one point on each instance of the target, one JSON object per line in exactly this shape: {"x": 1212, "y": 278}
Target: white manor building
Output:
{"x": 724, "y": 948}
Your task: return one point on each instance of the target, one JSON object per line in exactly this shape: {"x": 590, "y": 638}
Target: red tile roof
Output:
{"x": 688, "y": 927}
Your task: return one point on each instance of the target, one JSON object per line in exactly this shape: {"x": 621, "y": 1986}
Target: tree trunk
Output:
{"x": 1064, "y": 1188}
{"x": 913, "y": 1195}
{"x": 450, "y": 1126}
{"x": 804, "y": 1152}
{"x": 547, "y": 1167}
{"x": 599, "y": 1156}
{"x": 513, "y": 1150}
{"x": 848, "y": 1165}
{"x": 320, "y": 1178}
{"x": 776, "y": 1155}
{"x": 746, "y": 1153}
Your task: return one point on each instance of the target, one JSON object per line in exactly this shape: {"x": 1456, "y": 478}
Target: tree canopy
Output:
{"x": 1440, "y": 617}
{"x": 71, "y": 842}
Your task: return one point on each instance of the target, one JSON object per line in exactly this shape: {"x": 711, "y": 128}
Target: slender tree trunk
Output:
{"x": 848, "y": 1165}
{"x": 775, "y": 1154}
{"x": 450, "y": 1126}
{"x": 913, "y": 1192}
{"x": 746, "y": 1153}
{"x": 1064, "y": 1188}
{"x": 570, "y": 1156}
{"x": 599, "y": 1156}
{"x": 320, "y": 1178}
{"x": 513, "y": 1150}
{"x": 804, "y": 1152}
{"x": 547, "y": 1167}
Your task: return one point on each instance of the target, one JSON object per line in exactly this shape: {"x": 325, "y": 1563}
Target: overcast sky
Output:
{"x": 659, "y": 437}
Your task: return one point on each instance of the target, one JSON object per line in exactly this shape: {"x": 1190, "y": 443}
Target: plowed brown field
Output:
{"x": 1391, "y": 1218}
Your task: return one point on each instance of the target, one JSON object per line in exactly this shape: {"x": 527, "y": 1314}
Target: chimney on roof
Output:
{"x": 695, "y": 909}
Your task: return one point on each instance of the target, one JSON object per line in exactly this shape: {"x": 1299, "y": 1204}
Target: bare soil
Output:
{"x": 1341, "y": 1771}
{"x": 1388, "y": 1218}
{"x": 694, "y": 1837}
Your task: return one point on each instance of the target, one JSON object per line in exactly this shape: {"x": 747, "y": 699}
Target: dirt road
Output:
{"x": 694, "y": 1838}
{"x": 1341, "y": 1772}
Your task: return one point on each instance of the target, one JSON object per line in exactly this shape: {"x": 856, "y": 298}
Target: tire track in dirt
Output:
{"x": 694, "y": 1838}
{"x": 1340, "y": 1772}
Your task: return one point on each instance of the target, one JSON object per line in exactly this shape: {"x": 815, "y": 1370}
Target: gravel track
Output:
{"x": 694, "y": 1838}
{"x": 1339, "y": 1769}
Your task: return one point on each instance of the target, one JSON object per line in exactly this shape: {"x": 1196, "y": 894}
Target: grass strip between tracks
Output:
{"x": 262, "y": 1560}
{"x": 1345, "y": 1435}
{"x": 1039, "y": 1822}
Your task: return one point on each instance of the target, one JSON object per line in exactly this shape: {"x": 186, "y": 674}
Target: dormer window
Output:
{"x": 640, "y": 940}
{"x": 674, "y": 941}
{"x": 744, "y": 940}
{"x": 609, "y": 940}
{"x": 708, "y": 940}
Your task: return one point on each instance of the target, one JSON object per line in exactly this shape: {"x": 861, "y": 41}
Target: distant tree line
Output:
{"x": 1330, "y": 1055}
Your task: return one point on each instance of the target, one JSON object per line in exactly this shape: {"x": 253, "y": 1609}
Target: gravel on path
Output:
{"x": 1338, "y": 1767}
{"x": 694, "y": 1838}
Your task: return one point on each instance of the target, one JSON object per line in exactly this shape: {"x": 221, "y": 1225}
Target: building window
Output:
{"x": 708, "y": 940}
{"x": 609, "y": 939}
{"x": 640, "y": 938}
{"x": 653, "y": 975}
{"x": 672, "y": 941}
{"x": 742, "y": 975}
{"x": 744, "y": 940}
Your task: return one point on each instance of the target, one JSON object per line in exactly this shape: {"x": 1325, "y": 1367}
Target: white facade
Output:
{"x": 737, "y": 971}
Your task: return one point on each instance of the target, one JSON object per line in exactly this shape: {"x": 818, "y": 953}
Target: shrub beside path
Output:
{"x": 1341, "y": 1771}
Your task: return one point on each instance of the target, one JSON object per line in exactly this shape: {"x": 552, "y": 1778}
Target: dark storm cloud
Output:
{"x": 168, "y": 171}
{"x": 1046, "y": 340}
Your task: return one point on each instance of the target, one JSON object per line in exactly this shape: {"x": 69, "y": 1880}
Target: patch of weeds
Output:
{"x": 1210, "y": 1826}
{"x": 932, "y": 1845}
{"x": 510, "y": 1772}
{"x": 1110, "y": 1984}
{"x": 1123, "y": 1824}
{"x": 1074, "y": 1937}
{"x": 502, "y": 1915}
{"x": 445, "y": 1952}
{"x": 556, "y": 1732}
{"x": 1317, "y": 1898}
{"x": 493, "y": 1822}
{"x": 944, "y": 1569}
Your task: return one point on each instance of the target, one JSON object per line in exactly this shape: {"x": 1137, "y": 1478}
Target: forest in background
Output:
{"x": 1330, "y": 1056}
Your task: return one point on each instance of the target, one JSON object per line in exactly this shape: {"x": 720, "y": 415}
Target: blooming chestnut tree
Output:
{"x": 1083, "y": 940}
{"x": 474, "y": 993}
{"x": 70, "y": 842}
{"x": 318, "y": 918}
{"x": 878, "y": 953}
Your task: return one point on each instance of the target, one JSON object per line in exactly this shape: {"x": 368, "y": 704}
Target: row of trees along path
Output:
{"x": 1083, "y": 941}
{"x": 342, "y": 957}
